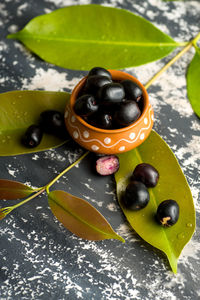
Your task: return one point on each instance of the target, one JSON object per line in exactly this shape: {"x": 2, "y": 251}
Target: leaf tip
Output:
{"x": 118, "y": 237}
{"x": 174, "y": 269}
{"x": 173, "y": 261}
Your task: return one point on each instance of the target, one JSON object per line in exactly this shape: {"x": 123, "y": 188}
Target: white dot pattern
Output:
{"x": 95, "y": 147}
{"x": 86, "y": 134}
{"x": 145, "y": 121}
{"x": 132, "y": 135}
{"x": 66, "y": 114}
{"x": 122, "y": 148}
{"x": 75, "y": 134}
{"x": 142, "y": 136}
{"x": 73, "y": 119}
{"x": 107, "y": 140}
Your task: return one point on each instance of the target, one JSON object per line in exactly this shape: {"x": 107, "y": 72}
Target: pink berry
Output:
{"x": 107, "y": 165}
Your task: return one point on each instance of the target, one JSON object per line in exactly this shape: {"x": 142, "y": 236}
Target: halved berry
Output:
{"x": 107, "y": 165}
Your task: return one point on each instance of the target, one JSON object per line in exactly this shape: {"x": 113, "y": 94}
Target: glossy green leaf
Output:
{"x": 83, "y": 36}
{"x": 19, "y": 110}
{"x": 171, "y": 185}
{"x": 10, "y": 190}
{"x": 193, "y": 82}
{"x": 80, "y": 217}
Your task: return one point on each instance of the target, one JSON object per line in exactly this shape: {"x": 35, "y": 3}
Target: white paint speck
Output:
{"x": 50, "y": 80}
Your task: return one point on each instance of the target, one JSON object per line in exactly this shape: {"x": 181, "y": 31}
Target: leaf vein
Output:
{"x": 83, "y": 221}
{"x": 91, "y": 41}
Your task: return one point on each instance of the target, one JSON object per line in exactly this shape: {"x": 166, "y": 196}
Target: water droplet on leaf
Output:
{"x": 181, "y": 235}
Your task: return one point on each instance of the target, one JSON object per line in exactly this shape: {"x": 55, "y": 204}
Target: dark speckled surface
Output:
{"x": 39, "y": 259}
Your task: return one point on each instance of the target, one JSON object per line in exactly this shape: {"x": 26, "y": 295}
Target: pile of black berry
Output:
{"x": 108, "y": 104}
{"x": 50, "y": 122}
{"x": 136, "y": 195}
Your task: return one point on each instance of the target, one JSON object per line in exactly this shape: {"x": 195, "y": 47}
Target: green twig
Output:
{"x": 64, "y": 171}
{"x": 6, "y": 210}
{"x": 173, "y": 60}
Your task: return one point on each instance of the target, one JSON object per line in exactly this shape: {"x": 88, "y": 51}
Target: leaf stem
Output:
{"x": 173, "y": 60}
{"x": 196, "y": 48}
{"x": 64, "y": 171}
{"x": 182, "y": 44}
{"x": 41, "y": 190}
{"x": 195, "y": 40}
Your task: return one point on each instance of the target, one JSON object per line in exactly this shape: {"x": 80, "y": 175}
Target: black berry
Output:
{"x": 111, "y": 93}
{"x": 95, "y": 82}
{"x": 167, "y": 213}
{"x": 132, "y": 90}
{"x": 147, "y": 174}
{"x": 99, "y": 71}
{"x": 101, "y": 120}
{"x": 85, "y": 105}
{"x": 136, "y": 196}
{"x": 32, "y": 136}
{"x": 126, "y": 113}
{"x": 52, "y": 122}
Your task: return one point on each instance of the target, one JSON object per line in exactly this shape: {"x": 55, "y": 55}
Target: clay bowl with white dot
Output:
{"x": 109, "y": 141}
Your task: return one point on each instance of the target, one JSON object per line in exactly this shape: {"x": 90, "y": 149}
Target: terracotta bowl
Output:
{"x": 109, "y": 141}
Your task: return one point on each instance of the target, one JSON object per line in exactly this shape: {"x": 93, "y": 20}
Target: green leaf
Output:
{"x": 10, "y": 190}
{"x": 171, "y": 185}
{"x": 83, "y": 36}
{"x": 80, "y": 217}
{"x": 19, "y": 110}
{"x": 193, "y": 82}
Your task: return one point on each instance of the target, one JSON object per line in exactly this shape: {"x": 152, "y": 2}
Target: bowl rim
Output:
{"x": 117, "y": 75}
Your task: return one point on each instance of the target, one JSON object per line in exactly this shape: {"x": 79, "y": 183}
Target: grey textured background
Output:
{"x": 39, "y": 259}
